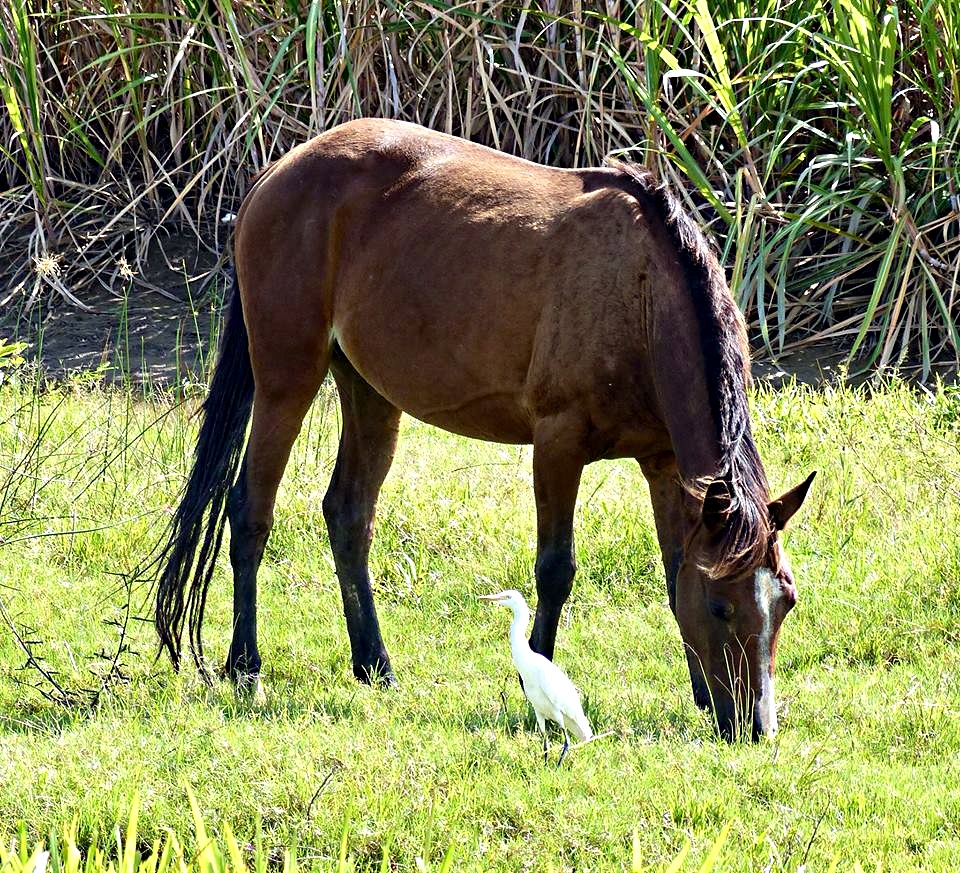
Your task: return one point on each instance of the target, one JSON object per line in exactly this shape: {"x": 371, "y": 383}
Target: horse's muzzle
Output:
{"x": 732, "y": 726}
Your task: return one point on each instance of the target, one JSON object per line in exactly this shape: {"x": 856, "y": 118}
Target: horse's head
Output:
{"x": 730, "y": 612}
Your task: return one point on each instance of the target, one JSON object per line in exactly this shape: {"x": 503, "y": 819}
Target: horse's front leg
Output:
{"x": 675, "y": 512}
{"x": 558, "y": 460}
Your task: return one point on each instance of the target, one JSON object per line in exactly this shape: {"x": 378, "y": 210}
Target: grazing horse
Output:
{"x": 580, "y": 310}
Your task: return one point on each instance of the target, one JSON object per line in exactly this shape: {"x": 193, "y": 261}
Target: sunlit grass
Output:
{"x": 865, "y": 766}
{"x": 206, "y": 853}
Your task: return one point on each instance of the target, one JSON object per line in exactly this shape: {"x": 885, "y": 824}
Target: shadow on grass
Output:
{"x": 41, "y": 717}
{"x": 650, "y": 724}
{"x": 290, "y": 697}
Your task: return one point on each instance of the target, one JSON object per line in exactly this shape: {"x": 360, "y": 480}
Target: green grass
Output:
{"x": 866, "y": 767}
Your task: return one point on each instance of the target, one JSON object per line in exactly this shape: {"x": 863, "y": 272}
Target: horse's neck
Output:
{"x": 681, "y": 385}
{"x": 677, "y": 370}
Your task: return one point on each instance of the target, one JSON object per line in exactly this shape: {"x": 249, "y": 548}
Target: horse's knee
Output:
{"x": 555, "y": 570}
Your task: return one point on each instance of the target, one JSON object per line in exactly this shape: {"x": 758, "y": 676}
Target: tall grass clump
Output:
{"x": 821, "y": 141}
{"x": 208, "y": 853}
{"x": 817, "y": 141}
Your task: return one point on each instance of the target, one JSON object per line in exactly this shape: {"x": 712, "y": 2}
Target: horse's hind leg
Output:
{"x": 367, "y": 444}
{"x": 277, "y": 416}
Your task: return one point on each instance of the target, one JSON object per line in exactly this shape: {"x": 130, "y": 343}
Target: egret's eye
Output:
{"x": 721, "y": 608}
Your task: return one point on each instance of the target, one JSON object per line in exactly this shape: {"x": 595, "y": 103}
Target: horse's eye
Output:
{"x": 721, "y": 608}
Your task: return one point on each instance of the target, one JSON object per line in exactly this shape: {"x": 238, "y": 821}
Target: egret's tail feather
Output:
{"x": 579, "y": 727}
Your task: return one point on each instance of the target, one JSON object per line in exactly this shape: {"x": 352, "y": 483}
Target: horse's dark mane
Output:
{"x": 745, "y": 539}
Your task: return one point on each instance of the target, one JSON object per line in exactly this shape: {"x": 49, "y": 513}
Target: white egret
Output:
{"x": 552, "y": 695}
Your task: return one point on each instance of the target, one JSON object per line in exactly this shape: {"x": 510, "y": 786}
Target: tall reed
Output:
{"x": 817, "y": 141}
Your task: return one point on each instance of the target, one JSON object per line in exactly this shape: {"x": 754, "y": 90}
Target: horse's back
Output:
{"x": 472, "y": 289}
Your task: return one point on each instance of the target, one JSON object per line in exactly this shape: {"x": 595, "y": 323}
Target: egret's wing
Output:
{"x": 559, "y": 683}
{"x": 558, "y": 690}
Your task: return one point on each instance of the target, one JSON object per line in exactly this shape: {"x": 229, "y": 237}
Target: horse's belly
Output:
{"x": 432, "y": 385}
{"x": 493, "y": 417}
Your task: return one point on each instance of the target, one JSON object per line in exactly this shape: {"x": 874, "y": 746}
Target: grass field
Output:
{"x": 866, "y": 766}
{"x": 816, "y": 143}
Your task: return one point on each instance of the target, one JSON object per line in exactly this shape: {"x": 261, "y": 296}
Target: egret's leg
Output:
{"x": 558, "y": 459}
{"x": 563, "y": 751}
{"x": 542, "y": 724}
{"x": 367, "y": 444}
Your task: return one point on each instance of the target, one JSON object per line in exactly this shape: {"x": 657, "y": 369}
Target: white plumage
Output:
{"x": 552, "y": 695}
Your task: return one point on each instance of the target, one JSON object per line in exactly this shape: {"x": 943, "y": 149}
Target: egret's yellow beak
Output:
{"x": 493, "y": 598}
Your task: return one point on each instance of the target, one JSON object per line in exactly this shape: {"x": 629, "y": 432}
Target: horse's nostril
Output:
{"x": 763, "y": 728}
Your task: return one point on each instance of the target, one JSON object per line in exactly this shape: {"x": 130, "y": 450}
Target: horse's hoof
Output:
{"x": 246, "y": 681}
{"x": 377, "y": 675}
{"x": 250, "y": 687}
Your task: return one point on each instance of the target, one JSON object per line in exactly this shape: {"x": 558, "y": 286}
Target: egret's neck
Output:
{"x": 519, "y": 646}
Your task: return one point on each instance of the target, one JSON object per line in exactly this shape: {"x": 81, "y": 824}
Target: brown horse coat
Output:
{"x": 578, "y": 310}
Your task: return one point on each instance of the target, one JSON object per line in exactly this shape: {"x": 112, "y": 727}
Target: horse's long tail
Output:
{"x": 196, "y": 530}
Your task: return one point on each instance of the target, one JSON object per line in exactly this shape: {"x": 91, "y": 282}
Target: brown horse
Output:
{"x": 578, "y": 310}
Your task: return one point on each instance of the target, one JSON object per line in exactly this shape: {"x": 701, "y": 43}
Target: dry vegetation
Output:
{"x": 816, "y": 140}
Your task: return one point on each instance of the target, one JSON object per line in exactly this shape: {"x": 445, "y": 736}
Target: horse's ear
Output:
{"x": 782, "y": 510}
{"x": 716, "y": 506}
